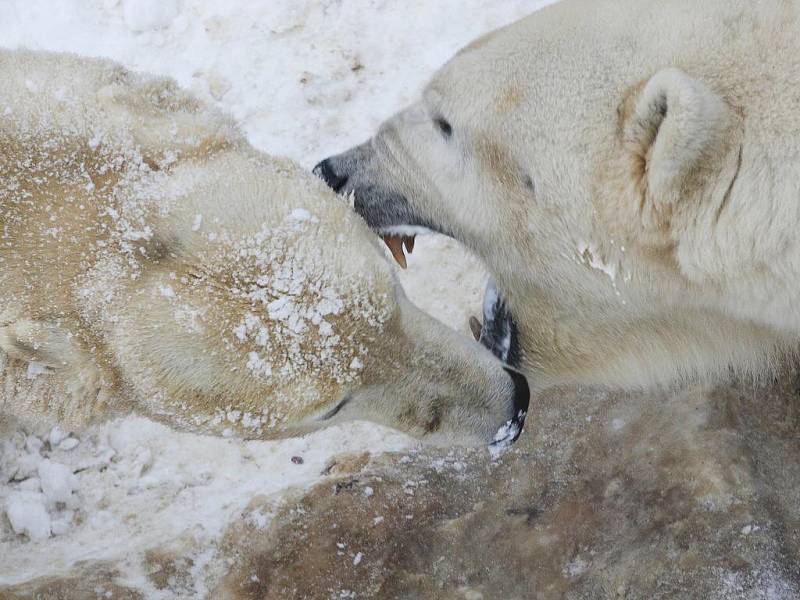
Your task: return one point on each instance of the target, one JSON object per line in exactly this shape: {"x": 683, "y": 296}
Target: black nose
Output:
{"x": 325, "y": 171}
{"x": 522, "y": 399}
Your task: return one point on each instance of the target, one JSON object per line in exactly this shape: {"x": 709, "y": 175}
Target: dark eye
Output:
{"x": 444, "y": 127}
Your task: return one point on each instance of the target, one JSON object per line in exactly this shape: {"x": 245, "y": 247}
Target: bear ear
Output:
{"x": 678, "y": 126}
{"x": 165, "y": 122}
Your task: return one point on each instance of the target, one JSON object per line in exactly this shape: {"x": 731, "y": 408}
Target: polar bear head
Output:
{"x": 263, "y": 305}
{"x": 204, "y": 283}
{"x": 586, "y": 136}
{"x": 538, "y": 128}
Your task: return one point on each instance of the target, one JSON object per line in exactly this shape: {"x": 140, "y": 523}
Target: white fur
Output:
{"x": 155, "y": 262}
{"x": 629, "y": 171}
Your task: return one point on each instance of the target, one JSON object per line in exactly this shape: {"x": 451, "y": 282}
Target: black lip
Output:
{"x": 383, "y": 209}
{"x": 325, "y": 171}
{"x": 499, "y": 326}
{"x": 522, "y": 396}
{"x": 379, "y": 205}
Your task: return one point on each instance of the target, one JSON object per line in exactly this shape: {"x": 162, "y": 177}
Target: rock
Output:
{"x": 693, "y": 494}
{"x": 605, "y": 496}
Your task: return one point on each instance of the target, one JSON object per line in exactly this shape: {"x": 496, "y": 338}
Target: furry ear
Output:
{"x": 677, "y": 128}
{"x": 166, "y": 122}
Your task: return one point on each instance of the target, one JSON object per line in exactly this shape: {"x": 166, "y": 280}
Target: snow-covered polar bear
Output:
{"x": 152, "y": 261}
{"x": 629, "y": 171}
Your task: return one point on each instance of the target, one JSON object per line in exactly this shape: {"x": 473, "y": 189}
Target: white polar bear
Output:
{"x": 153, "y": 261}
{"x": 629, "y": 171}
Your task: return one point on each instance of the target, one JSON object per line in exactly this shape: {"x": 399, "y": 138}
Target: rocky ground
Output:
{"x": 694, "y": 494}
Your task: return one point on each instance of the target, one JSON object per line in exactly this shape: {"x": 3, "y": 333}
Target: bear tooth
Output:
{"x": 395, "y": 244}
{"x": 475, "y": 327}
{"x": 408, "y": 241}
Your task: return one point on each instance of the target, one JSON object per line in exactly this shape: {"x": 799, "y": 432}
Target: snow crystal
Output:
{"x": 301, "y": 214}
{"x": 55, "y": 437}
{"x": 576, "y": 568}
{"x": 69, "y": 443}
{"x": 33, "y": 484}
{"x": 27, "y": 514}
{"x": 295, "y": 304}
{"x": 591, "y": 256}
{"x": 259, "y": 519}
{"x": 62, "y": 523}
{"x": 33, "y": 444}
{"x": 58, "y": 482}
{"x": 35, "y": 369}
{"x": 259, "y": 365}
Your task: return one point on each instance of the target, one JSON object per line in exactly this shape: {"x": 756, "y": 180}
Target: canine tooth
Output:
{"x": 475, "y": 327}
{"x": 408, "y": 241}
{"x": 395, "y": 244}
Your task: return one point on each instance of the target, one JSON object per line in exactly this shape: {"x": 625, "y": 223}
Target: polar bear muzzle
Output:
{"x": 385, "y": 210}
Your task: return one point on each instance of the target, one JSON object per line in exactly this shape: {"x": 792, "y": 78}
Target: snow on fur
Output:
{"x": 303, "y": 79}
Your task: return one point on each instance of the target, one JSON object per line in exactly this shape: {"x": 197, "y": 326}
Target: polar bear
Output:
{"x": 629, "y": 172}
{"x": 153, "y": 261}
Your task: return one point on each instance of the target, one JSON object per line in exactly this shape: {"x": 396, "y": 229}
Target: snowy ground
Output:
{"x": 304, "y": 78}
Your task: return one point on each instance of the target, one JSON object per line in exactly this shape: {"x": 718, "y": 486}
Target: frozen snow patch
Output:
{"x": 27, "y": 514}
{"x": 35, "y": 369}
{"x": 58, "y": 482}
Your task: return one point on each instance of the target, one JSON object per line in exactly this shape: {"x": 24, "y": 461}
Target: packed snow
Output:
{"x": 304, "y": 79}
{"x": 138, "y": 481}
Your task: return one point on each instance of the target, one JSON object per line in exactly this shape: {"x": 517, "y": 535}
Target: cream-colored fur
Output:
{"x": 152, "y": 261}
{"x": 629, "y": 171}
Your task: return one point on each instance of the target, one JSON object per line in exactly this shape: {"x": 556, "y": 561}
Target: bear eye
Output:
{"x": 444, "y": 127}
